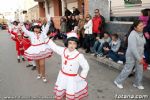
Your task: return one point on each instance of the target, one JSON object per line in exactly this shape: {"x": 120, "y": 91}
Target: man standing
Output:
{"x": 75, "y": 11}
{"x": 67, "y": 12}
{"x": 97, "y": 22}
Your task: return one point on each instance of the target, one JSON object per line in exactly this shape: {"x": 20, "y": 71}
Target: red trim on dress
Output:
{"x": 81, "y": 96}
{"x": 68, "y": 74}
{"x": 70, "y": 58}
{"x": 40, "y": 43}
{"x": 40, "y": 55}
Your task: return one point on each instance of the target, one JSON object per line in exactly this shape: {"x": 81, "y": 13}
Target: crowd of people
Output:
{"x": 133, "y": 49}
{"x": 87, "y": 32}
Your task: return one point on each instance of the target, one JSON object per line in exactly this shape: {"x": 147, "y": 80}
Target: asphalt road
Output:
{"x": 17, "y": 80}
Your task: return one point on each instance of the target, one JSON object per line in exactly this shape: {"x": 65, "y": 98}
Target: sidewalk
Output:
{"x": 105, "y": 61}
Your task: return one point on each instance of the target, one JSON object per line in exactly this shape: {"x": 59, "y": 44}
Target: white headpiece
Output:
{"x": 72, "y": 34}
{"x": 35, "y": 24}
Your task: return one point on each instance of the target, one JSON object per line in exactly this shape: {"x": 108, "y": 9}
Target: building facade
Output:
{"x": 56, "y": 8}
{"x": 112, "y": 10}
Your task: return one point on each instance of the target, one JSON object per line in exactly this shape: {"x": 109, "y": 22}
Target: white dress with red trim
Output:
{"x": 70, "y": 83}
{"x": 39, "y": 48}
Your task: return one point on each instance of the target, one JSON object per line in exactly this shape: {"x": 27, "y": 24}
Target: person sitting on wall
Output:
{"x": 98, "y": 45}
{"x": 113, "y": 50}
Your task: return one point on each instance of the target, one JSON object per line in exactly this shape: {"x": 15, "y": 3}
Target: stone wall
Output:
{"x": 120, "y": 28}
{"x": 102, "y": 5}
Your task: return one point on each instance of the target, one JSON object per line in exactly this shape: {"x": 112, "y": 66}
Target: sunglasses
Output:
{"x": 96, "y": 12}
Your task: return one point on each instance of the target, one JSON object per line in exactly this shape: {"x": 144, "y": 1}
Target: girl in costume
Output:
{"x": 19, "y": 46}
{"x": 70, "y": 84}
{"x": 38, "y": 50}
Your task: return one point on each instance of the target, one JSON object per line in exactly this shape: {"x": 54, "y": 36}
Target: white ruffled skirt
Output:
{"x": 70, "y": 87}
{"x": 36, "y": 52}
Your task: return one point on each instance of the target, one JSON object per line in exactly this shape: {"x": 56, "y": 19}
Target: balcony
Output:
{"x": 39, "y": 0}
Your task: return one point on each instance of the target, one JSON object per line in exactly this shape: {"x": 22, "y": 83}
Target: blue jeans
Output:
{"x": 98, "y": 46}
{"x": 115, "y": 56}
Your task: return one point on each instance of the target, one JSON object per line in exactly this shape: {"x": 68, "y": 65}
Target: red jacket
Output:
{"x": 26, "y": 43}
{"x": 19, "y": 45}
{"x": 97, "y": 21}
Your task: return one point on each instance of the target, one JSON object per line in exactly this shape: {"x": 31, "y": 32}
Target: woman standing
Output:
{"x": 38, "y": 50}
{"x": 81, "y": 29}
{"x": 88, "y": 33}
{"x": 134, "y": 56}
{"x": 63, "y": 27}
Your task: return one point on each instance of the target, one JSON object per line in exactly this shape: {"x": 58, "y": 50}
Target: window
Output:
{"x": 132, "y": 2}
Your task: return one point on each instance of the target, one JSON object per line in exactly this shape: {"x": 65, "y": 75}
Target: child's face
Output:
{"x": 19, "y": 37}
{"x": 106, "y": 35}
{"x": 72, "y": 45}
{"x": 114, "y": 38}
{"x": 37, "y": 30}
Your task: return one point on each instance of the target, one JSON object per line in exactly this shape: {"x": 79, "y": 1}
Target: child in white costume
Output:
{"x": 39, "y": 50}
{"x": 70, "y": 84}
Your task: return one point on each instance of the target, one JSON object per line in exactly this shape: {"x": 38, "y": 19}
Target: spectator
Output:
{"x": 75, "y": 11}
{"x": 102, "y": 26}
{"x": 81, "y": 30}
{"x": 134, "y": 56}
{"x": 67, "y": 12}
{"x": 82, "y": 6}
{"x": 88, "y": 33}
{"x": 63, "y": 27}
{"x": 77, "y": 20}
{"x": 97, "y": 22}
{"x": 124, "y": 44}
{"x": 98, "y": 45}
{"x": 73, "y": 23}
{"x": 69, "y": 24}
{"x": 114, "y": 48}
{"x": 147, "y": 37}
{"x": 144, "y": 16}
{"x": 52, "y": 28}
{"x": 27, "y": 25}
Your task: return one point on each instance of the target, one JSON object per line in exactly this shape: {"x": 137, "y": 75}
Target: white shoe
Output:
{"x": 93, "y": 54}
{"x": 109, "y": 58}
{"x": 100, "y": 55}
{"x": 139, "y": 87}
{"x": 38, "y": 77}
{"x": 120, "y": 62}
{"x": 118, "y": 85}
{"x": 44, "y": 79}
